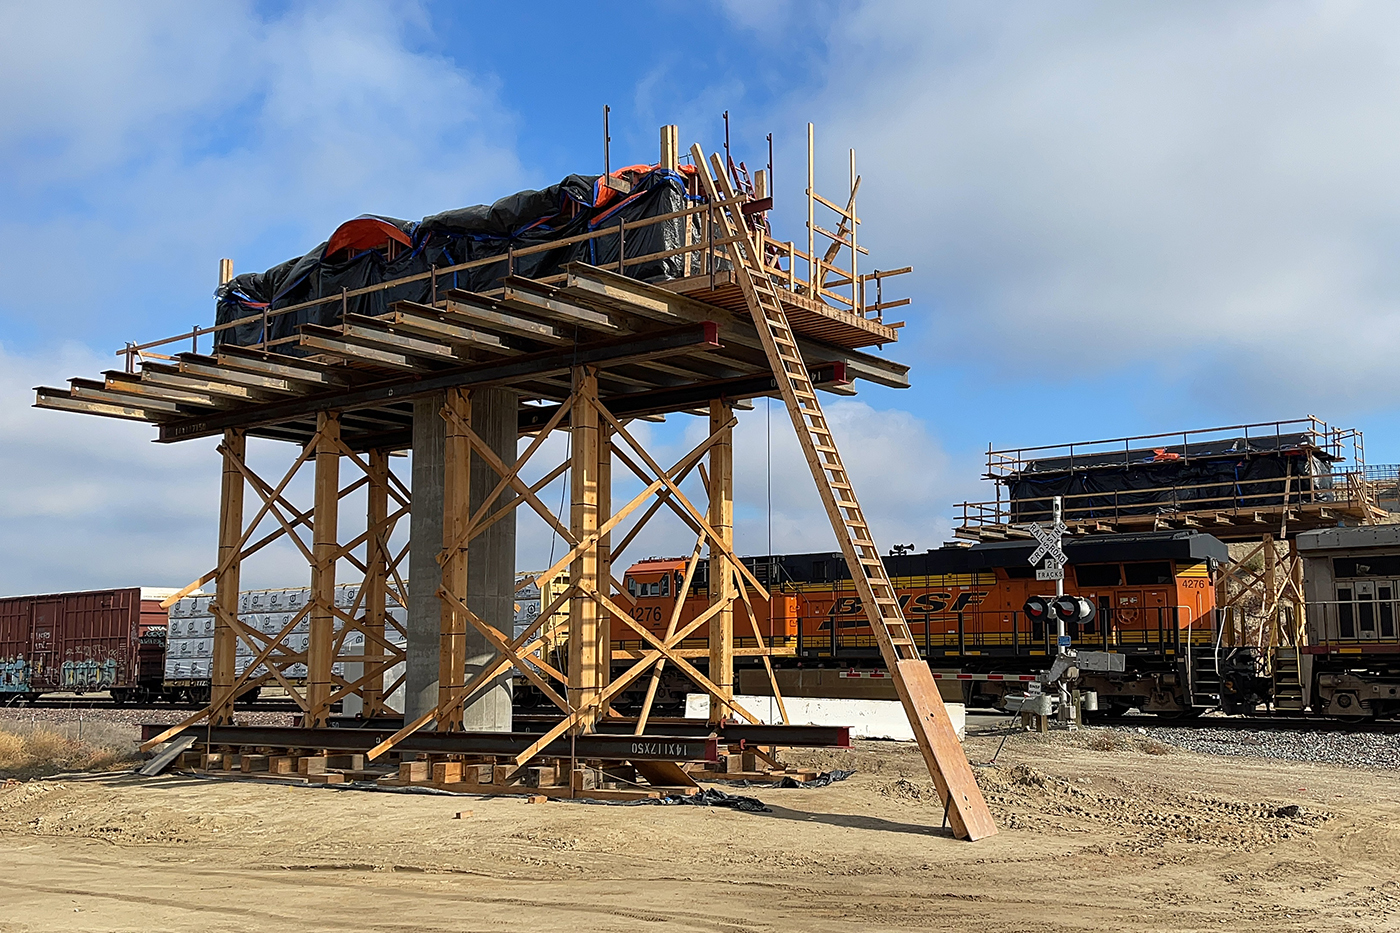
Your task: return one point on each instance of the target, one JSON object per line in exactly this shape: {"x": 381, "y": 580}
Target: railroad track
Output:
{"x": 1290, "y": 723}
{"x": 260, "y": 706}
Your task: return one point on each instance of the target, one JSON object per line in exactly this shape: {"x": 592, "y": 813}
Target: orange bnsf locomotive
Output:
{"x": 1154, "y": 595}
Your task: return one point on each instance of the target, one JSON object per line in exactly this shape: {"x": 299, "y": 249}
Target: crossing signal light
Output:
{"x": 1037, "y": 610}
{"x": 1076, "y": 611}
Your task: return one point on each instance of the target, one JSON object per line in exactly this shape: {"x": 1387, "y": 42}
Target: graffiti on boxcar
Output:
{"x": 15, "y": 674}
{"x": 85, "y": 669}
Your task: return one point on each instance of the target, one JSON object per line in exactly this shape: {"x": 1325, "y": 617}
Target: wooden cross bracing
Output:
{"x": 272, "y": 654}
{"x": 584, "y": 687}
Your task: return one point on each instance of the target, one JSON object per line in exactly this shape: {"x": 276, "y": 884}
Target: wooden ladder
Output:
{"x": 938, "y": 741}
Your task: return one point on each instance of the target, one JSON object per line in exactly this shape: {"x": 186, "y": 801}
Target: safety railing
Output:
{"x": 1135, "y": 629}
{"x": 1341, "y": 489}
{"x": 1336, "y": 443}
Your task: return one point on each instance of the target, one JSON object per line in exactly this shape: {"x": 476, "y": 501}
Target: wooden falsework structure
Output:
{"x": 587, "y": 352}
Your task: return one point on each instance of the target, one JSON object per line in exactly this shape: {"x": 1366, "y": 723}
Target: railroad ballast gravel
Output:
{"x": 1330, "y": 746}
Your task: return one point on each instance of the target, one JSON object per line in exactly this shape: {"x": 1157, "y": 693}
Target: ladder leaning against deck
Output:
{"x": 952, "y": 775}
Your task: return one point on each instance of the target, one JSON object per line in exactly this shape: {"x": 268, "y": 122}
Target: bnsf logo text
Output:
{"x": 911, "y": 604}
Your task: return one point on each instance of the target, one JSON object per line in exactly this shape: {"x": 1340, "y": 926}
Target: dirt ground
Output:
{"x": 1099, "y": 832}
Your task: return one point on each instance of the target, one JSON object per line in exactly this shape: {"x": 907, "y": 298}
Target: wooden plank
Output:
{"x": 429, "y": 322}
{"x": 133, "y": 384}
{"x": 170, "y": 376}
{"x": 62, "y": 400}
{"x": 489, "y": 317}
{"x": 208, "y": 368}
{"x": 281, "y": 366}
{"x": 354, "y": 350}
{"x": 93, "y": 390}
{"x": 543, "y": 302}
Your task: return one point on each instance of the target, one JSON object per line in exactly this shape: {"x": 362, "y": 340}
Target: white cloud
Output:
{"x": 144, "y": 141}
{"x": 1196, "y": 193}
{"x": 91, "y": 502}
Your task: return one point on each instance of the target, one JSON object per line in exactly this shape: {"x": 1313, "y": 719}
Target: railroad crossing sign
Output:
{"x": 1049, "y": 540}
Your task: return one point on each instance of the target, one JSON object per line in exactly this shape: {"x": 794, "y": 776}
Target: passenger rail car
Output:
{"x": 1154, "y": 594}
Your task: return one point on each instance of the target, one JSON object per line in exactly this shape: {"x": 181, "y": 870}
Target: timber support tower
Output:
{"x": 585, "y": 351}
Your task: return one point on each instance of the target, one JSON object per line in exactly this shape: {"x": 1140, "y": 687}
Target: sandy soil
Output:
{"x": 1093, "y": 838}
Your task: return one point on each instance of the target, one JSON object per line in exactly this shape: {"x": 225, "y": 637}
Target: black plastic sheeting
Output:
{"x": 709, "y": 797}
{"x": 578, "y": 204}
{"x": 1227, "y": 447}
{"x": 1202, "y": 483}
{"x": 825, "y": 779}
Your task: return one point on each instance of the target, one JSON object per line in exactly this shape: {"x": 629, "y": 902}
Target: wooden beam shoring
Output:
{"x": 320, "y": 655}
{"x": 584, "y": 619}
{"x": 223, "y": 663}
{"x": 721, "y": 493}
{"x": 376, "y": 579}
{"x": 456, "y": 486}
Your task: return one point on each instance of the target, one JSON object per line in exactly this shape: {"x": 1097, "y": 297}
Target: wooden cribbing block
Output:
{"x": 749, "y": 762}
{"x": 462, "y": 814}
{"x": 282, "y": 764}
{"x": 584, "y": 779}
{"x": 252, "y": 763}
{"x": 478, "y": 774}
{"x": 213, "y": 761}
{"x": 546, "y": 776}
{"x": 312, "y": 764}
{"x": 447, "y": 772}
{"x": 326, "y": 777}
{"x": 413, "y": 771}
{"x": 732, "y": 764}
{"x": 346, "y": 762}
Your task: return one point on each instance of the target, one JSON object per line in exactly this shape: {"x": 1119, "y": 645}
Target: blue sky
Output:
{"x": 1122, "y": 218}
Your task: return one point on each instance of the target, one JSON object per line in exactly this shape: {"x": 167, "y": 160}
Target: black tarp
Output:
{"x": 1230, "y": 474}
{"x": 577, "y": 205}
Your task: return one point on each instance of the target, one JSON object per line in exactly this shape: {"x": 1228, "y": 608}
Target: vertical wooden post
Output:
{"x": 325, "y": 537}
{"x": 721, "y": 573}
{"x": 456, "y": 511}
{"x": 225, "y": 271}
{"x": 855, "y": 251}
{"x": 604, "y": 660}
{"x": 583, "y": 521}
{"x": 811, "y": 214}
{"x": 376, "y": 582}
{"x": 670, "y": 147}
{"x": 222, "y": 672}
{"x": 1270, "y": 594}
{"x": 1300, "y": 606}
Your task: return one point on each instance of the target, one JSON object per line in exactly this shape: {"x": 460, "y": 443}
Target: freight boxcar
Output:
{"x": 112, "y": 640}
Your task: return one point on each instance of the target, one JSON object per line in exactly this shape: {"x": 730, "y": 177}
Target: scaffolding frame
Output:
{"x": 592, "y": 350}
